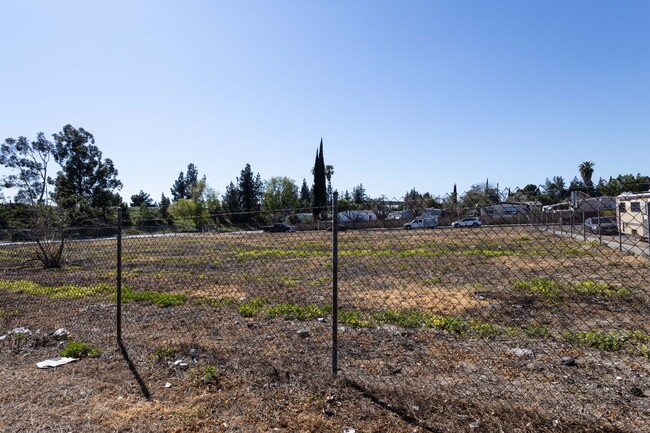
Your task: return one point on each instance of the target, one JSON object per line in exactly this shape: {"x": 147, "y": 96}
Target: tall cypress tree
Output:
{"x": 320, "y": 187}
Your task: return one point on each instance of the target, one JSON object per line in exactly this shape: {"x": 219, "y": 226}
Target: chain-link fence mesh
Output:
{"x": 455, "y": 310}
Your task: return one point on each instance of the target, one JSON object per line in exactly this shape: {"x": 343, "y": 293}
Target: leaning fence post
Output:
{"x": 335, "y": 282}
{"x": 118, "y": 319}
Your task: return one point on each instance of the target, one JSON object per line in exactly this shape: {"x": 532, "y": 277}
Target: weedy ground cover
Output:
{"x": 428, "y": 322}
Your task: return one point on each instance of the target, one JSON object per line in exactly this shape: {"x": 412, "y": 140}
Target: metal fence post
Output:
{"x": 647, "y": 224}
{"x": 335, "y": 282}
{"x": 600, "y": 231}
{"x": 119, "y": 276}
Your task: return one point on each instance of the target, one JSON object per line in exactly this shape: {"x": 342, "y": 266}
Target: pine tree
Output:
{"x": 191, "y": 176}
{"x": 250, "y": 189}
{"x": 185, "y": 184}
{"x": 179, "y": 189}
{"x": 230, "y": 201}
{"x": 165, "y": 202}
{"x": 305, "y": 195}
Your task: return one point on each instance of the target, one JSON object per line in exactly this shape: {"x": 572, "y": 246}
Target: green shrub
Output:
{"x": 162, "y": 353}
{"x": 79, "y": 350}
{"x": 206, "y": 375}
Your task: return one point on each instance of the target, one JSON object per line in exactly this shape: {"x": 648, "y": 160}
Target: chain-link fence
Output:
{"x": 542, "y": 310}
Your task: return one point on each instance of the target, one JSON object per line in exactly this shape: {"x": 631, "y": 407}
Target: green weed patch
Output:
{"x": 54, "y": 292}
{"x": 251, "y": 308}
{"x": 609, "y": 341}
{"x": 298, "y": 312}
{"x": 353, "y": 318}
{"x": 5, "y": 313}
{"x": 275, "y": 253}
{"x": 535, "y": 330}
{"x": 601, "y": 289}
{"x": 547, "y": 289}
{"x": 159, "y": 299}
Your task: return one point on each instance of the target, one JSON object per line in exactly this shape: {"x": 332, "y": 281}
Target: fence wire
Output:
{"x": 543, "y": 310}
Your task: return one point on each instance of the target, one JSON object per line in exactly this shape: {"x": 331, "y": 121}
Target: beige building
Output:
{"x": 505, "y": 213}
{"x": 632, "y": 213}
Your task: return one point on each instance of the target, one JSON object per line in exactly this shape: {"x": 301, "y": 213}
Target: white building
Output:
{"x": 632, "y": 213}
{"x": 400, "y": 215}
{"x": 357, "y": 215}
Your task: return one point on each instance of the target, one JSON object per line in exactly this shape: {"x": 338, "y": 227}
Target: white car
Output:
{"x": 467, "y": 222}
{"x": 420, "y": 223}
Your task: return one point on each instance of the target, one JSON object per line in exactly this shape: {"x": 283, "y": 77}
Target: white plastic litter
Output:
{"x": 61, "y": 334}
{"x": 21, "y": 330}
{"x": 55, "y": 362}
{"x": 180, "y": 364}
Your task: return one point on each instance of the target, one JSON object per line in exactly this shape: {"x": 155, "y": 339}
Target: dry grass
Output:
{"x": 478, "y": 294}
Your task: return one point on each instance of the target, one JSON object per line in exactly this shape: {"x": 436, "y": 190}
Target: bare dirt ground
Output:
{"x": 478, "y": 299}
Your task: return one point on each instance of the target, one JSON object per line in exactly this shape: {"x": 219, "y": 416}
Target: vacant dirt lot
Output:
{"x": 443, "y": 330}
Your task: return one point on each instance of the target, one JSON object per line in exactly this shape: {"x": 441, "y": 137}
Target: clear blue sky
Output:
{"x": 405, "y": 94}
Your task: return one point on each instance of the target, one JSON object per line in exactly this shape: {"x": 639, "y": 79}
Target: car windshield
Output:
{"x": 605, "y": 221}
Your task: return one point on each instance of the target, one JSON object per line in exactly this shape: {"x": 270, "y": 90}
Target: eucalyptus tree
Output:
{"x": 28, "y": 162}
{"x": 86, "y": 182}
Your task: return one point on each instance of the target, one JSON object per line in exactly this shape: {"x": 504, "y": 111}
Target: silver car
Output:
{"x": 467, "y": 222}
{"x": 604, "y": 225}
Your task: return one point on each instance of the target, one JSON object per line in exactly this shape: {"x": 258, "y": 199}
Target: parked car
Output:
{"x": 278, "y": 228}
{"x": 342, "y": 228}
{"x": 467, "y": 222}
{"x": 421, "y": 223}
{"x": 604, "y": 225}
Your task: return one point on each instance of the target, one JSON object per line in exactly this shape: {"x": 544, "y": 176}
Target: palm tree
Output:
{"x": 329, "y": 171}
{"x": 586, "y": 171}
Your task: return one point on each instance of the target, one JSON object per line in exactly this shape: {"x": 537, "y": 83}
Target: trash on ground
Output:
{"x": 20, "y": 331}
{"x": 522, "y": 352}
{"x": 55, "y": 362}
{"x": 61, "y": 334}
{"x": 179, "y": 363}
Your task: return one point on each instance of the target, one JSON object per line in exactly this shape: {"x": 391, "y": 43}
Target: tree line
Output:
{"x": 84, "y": 190}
